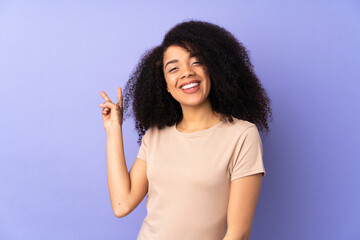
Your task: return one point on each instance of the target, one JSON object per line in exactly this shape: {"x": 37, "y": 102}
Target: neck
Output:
{"x": 198, "y": 117}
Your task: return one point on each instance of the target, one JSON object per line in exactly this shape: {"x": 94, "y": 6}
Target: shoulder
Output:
{"x": 154, "y": 131}
{"x": 240, "y": 126}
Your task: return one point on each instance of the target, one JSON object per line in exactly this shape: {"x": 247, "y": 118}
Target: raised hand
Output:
{"x": 112, "y": 113}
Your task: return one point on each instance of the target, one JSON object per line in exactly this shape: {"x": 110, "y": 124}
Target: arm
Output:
{"x": 244, "y": 194}
{"x": 117, "y": 174}
{"x": 126, "y": 190}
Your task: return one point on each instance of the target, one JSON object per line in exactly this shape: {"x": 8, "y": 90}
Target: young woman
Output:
{"x": 197, "y": 105}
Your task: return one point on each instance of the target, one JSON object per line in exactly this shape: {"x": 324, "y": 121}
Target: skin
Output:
{"x": 128, "y": 190}
{"x": 196, "y": 107}
{"x": 244, "y": 194}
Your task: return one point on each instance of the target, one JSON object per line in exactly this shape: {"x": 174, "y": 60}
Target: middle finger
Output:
{"x": 119, "y": 96}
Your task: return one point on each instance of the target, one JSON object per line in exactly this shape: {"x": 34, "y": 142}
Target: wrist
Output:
{"x": 113, "y": 129}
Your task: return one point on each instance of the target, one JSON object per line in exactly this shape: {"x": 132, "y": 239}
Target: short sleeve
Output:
{"x": 144, "y": 146}
{"x": 247, "y": 158}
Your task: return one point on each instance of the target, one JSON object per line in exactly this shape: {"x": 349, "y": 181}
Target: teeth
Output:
{"x": 190, "y": 85}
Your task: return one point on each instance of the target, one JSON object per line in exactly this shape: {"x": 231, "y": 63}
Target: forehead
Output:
{"x": 176, "y": 51}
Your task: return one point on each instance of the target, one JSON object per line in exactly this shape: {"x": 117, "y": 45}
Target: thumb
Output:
{"x": 109, "y": 105}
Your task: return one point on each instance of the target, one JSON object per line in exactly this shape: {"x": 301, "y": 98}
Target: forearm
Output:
{"x": 235, "y": 237}
{"x": 240, "y": 238}
{"x": 117, "y": 173}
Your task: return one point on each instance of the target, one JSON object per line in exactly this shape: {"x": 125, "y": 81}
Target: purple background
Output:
{"x": 56, "y": 56}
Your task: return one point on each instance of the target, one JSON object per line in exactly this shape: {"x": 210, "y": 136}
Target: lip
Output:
{"x": 192, "y": 81}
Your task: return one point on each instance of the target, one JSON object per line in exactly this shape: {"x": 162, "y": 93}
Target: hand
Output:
{"x": 112, "y": 114}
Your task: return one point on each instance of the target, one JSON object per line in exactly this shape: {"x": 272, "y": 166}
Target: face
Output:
{"x": 180, "y": 68}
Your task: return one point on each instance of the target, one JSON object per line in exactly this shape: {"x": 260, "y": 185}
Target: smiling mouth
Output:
{"x": 192, "y": 84}
{"x": 192, "y": 89}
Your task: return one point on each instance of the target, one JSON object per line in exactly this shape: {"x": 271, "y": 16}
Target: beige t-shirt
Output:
{"x": 189, "y": 178}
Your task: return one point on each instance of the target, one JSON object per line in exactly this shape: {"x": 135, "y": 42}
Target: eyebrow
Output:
{"x": 194, "y": 54}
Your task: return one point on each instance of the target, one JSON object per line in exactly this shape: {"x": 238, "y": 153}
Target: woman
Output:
{"x": 197, "y": 104}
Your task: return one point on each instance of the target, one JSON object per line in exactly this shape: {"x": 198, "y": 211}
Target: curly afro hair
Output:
{"x": 235, "y": 88}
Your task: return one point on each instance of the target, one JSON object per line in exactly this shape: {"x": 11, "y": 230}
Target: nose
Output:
{"x": 188, "y": 71}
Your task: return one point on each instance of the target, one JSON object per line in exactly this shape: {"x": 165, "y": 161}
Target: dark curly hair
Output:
{"x": 235, "y": 88}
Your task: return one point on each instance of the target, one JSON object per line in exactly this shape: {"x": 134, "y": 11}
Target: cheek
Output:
{"x": 167, "y": 79}
{"x": 208, "y": 83}
{"x": 171, "y": 81}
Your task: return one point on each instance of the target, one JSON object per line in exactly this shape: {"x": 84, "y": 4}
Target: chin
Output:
{"x": 192, "y": 104}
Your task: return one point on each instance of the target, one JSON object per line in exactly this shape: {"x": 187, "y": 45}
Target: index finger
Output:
{"x": 119, "y": 95}
{"x": 105, "y": 96}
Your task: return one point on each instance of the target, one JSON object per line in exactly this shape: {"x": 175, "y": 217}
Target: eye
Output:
{"x": 198, "y": 62}
{"x": 172, "y": 69}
